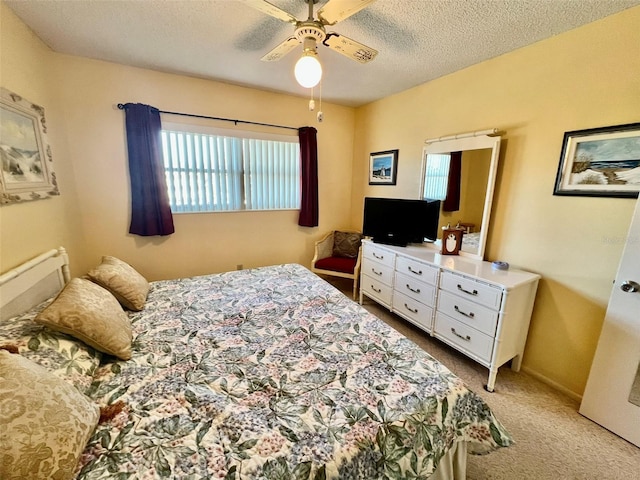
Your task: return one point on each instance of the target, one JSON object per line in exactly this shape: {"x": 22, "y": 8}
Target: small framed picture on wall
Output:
{"x": 383, "y": 167}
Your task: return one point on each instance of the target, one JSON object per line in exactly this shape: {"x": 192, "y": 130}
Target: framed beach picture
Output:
{"x": 602, "y": 162}
{"x": 383, "y": 167}
{"x": 26, "y": 165}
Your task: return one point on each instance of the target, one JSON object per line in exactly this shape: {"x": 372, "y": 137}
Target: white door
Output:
{"x": 612, "y": 395}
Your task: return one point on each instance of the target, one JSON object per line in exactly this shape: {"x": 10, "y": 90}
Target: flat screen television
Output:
{"x": 397, "y": 221}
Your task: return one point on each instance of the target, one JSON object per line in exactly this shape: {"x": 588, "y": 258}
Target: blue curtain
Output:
{"x": 309, "y": 173}
{"x": 150, "y": 208}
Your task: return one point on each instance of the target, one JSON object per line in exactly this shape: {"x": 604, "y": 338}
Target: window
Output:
{"x": 436, "y": 177}
{"x": 211, "y": 170}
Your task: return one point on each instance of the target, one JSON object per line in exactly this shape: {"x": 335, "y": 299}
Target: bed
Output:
{"x": 267, "y": 373}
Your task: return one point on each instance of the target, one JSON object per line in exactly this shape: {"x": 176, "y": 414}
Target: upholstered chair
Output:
{"x": 339, "y": 254}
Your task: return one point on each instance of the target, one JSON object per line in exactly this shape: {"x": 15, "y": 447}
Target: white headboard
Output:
{"x": 32, "y": 282}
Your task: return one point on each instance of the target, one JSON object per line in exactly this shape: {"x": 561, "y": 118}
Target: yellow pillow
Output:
{"x": 90, "y": 313}
{"x": 45, "y": 423}
{"x": 123, "y": 281}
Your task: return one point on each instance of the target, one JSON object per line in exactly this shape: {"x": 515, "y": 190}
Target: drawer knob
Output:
{"x": 468, "y": 292}
{"x": 417, "y": 272}
{"x": 468, "y": 315}
{"x": 417, "y": 290}
{"x": 375, "y": 289}
{"x": 379, "y": 257}
{"x": 463, "y": 337}
{"x": 374, "y": 271}
{"x": 410, "y": 309}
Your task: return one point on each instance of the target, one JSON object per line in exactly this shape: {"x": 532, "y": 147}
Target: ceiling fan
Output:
{"x": 312, "y": 31}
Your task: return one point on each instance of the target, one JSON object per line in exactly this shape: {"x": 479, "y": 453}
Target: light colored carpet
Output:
{"x": 552, "y": 440}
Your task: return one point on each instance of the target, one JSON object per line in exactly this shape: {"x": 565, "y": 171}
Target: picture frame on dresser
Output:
{"x": 26, "y": 170}
{"x": 451, "y": 241}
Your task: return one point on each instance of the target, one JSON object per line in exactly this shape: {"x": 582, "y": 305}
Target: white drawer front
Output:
{"x": 416, "y": 289}
{"x": 421, "y": 271}
{"x": 376, "y": 289}
{"x": 479, "y": 317}
{"x": 472, "y": 290}
{"x": 382, "y": 273}
{"x": 416, "y": 311}
{"x": 384, "y": 257}
{"x": 467, "y": 339}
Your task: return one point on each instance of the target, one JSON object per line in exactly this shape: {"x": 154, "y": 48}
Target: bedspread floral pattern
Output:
{"x": 271, "y": 373}
{"x": 58, "y": 352}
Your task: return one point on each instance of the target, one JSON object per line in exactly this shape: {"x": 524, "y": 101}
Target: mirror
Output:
{"x": 478, "y": 165}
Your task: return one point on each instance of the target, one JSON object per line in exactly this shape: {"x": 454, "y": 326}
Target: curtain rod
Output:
{"x": 121, "y": 107}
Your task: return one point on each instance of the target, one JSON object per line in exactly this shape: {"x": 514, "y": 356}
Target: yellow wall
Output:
{"x": 202, "y": 243}
{"x": 588, "y": 77}
{"x": 33, "y": 227}
{"x": 88, "y": 132}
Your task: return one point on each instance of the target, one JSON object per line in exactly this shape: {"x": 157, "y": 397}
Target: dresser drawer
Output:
{"x": 380, "y": 255}
{"x": 418, "y": 270}
{"x": 373, "y": 287}
{"x": 479, "y": 317}
{"x": 382, "y": 273}
{"x": 471, "y": 290}
{"x": 412, "y": 309}
{"x": 416, "y": 289}
{"x": 467, "y": 339}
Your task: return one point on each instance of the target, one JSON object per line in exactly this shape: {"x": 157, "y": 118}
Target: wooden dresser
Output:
{"x": 477, "y": 309}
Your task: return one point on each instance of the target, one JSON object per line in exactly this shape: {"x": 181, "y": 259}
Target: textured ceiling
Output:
{"x": 417, "y": 40}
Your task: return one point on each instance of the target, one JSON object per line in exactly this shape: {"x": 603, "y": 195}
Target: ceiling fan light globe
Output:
{"x": 308, "y": 71}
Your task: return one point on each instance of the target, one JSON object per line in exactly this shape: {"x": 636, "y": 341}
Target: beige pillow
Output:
{"x": 45, "y": 423}
{"x": 123, "y": 281}
{"x": 346, "y": 244}
{"x": 90, "y": 313}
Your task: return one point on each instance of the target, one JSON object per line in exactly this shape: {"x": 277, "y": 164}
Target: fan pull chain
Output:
{"x": 320, "y": 115}
{"x": 312, "y": 103}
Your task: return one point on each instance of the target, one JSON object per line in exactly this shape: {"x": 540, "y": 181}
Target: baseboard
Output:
{"x": 552, "y": 384}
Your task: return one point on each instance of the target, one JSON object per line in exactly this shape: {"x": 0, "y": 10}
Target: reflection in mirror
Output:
{"x": 634, "y": 396}
{"x": 460, "y": 171}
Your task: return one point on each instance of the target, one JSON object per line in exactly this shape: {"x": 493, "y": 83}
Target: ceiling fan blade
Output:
{"x": 281, "y": 50}
{"x": 336, "y": 10}
{"x": 270, "y": 9}
{"x": 349, "y": 48}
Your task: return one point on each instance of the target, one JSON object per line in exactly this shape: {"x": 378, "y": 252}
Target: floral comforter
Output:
{"x": 271, "y": 373}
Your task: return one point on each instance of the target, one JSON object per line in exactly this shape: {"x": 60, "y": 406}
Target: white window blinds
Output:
{"x": 436, "y": 176}
{"x": 208, "y": 172}
{"x": 272, "y": 174}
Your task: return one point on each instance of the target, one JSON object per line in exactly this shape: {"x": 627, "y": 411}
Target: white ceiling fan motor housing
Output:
{"x": 310, "y": 30}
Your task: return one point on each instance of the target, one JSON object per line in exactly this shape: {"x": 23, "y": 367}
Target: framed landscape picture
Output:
{"x": 603, "y": 162}
{"x": 26, "y": 165}
{"x": 383, "y": 167}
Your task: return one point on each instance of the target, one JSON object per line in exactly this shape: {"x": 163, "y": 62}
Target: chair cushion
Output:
{"x": 346, "y": 244}
{"x": 337, "y": 264}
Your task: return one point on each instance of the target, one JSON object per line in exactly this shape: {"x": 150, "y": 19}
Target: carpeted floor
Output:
{"x": 553, "y": 441}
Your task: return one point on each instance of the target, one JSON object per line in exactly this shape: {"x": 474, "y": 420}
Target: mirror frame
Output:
{"x": 465, "y": 143}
